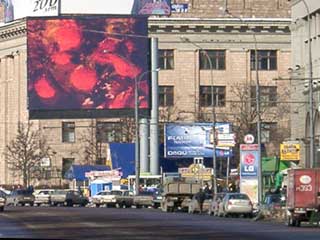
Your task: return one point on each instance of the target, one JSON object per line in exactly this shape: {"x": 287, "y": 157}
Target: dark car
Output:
{"x": 74, "y": 197}
{"x": 20, "y": 197}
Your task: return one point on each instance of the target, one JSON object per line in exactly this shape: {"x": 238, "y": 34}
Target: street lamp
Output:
{"x": 136, "y": 116}
{"x": 260, "y": 182}
{"x": 214, "y": 159}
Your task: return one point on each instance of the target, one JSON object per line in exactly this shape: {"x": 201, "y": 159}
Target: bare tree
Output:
{"x": 244, "y": 115}
{"x": 25, "y": 152}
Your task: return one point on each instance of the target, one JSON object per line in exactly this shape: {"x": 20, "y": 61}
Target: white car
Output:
{"x": 42, "y": 196}
{"x": 2, "y": 200}
{"x": 235, "y": 204}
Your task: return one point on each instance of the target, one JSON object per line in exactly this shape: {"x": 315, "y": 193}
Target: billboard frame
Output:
{"x": 82, "y": 113}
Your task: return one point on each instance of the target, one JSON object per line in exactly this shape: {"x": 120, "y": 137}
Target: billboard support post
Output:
{"x": 136, "y": 116}
{"x": 154, "y": 120}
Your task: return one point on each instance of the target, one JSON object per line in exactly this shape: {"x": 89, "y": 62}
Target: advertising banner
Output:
{"x": 290, "y": 152}
{"x": 250, "y": 187}
{"x": 128, "y": 7}
{"x": 193, "y": 140}
{"x": 17, "y": 9}
{"x": 197, "y": 171}
{"x": 87, "y": 63}
{"x": 249, "y": 160}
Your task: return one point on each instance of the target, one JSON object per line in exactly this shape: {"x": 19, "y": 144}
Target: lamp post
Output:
{"x": 260, "y": 182}
{"x": 214, "y": 159}
{"x": 136, "y": 116}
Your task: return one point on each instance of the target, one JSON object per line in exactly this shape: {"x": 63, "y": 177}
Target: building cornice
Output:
{"x": 13, "y": 30}
{"x": 183, "y": 25}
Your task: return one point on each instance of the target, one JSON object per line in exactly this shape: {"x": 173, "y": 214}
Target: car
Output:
{"x": 42, "y": 196}
{"x": 215, "y": 204}
{"x": 194, "y": 207}
{"x": 271, "y": 204}
{"x": 58, "y": 197}
{"x": 20, "y": 197}
{"x": 144, "y": 199}
{"x": 235, "y": 204}
{"x": 125, "y": 200}
{"x": 3, "y": 198}
{"x": 96, "y": 199}
{"x": 75, "y": 197}
{"x": 109, "y": 199}
{"x": 157, "y": 199}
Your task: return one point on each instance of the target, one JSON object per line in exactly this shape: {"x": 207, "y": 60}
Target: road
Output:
{"x": 109, "y": 223}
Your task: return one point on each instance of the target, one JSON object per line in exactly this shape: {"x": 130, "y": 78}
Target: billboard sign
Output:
{"x": 128, "y": 7}
{"x": 250, "y": 187}
{"x": 87, "y": 63}
{"x": 179, "y": 8}
{"x": 17, "y": 9}
{"x": 290, "y": 151}
{"x": 193, "y": 140}
{"x": 249, "y": 160}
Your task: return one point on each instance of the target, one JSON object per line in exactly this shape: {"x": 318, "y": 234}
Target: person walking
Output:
{"x": 200, "y": 197}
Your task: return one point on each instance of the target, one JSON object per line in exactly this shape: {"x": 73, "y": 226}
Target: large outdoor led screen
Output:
{"x": 86, "y": 64}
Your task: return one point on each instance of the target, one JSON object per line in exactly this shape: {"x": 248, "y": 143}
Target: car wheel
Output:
{"x": 97, "y": 205}
{"x": 1, "y": 209}
{"x": 31, "y": 204}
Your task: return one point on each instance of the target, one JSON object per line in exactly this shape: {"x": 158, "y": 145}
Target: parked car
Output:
{"x": 96, "y": 199}
{"x": 109, "y": 199}
{"x": 235, "y": 204}
{"x": 144, "y": 199}
{"x": 194, "y": 205}
{"x": 42, "y": 196}
{"x": 20, "y": 197}
{"x": 272, "y": 201}
{"x": 125, "y": 199}
{"x": 58, "y": 197}
{"x": 3, "y": 198}
{"x": 75, "y": 197}
{"x": 157, "y": 199}
{"x": 215, "y": 204}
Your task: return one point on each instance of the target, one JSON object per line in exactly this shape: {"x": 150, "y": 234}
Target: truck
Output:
{"x": 303, "y": 196}
{"x": 178, "y": 194}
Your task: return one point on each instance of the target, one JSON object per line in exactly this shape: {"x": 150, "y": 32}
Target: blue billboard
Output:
{"x": 194, "y": 140}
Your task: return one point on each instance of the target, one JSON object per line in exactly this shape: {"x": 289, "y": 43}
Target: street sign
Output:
{"x": 289, "y": 151}
{"x": 249, "y": 139}
{"x": 226, "y": 139}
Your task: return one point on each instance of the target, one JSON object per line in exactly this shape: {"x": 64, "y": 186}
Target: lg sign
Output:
{"x": 249, "y": 160}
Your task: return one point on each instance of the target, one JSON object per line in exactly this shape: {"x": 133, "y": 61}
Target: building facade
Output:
{"x": 305, "y": 72}
{"x": 200, "y": 45}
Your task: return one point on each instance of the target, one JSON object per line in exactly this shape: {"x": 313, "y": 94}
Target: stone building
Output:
{"x": 200, "y": 45}
{"x": 305, "y": 71}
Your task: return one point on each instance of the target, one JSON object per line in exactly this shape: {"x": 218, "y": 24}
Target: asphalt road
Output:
{"x": 109, "y": 223}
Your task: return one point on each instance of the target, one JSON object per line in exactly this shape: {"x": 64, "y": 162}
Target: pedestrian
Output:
{"x": 207, "y": 189}
{"x": 200, "y": 197}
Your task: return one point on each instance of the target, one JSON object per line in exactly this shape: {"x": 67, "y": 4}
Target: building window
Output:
{"x": 101, "y": 161}
{"x": 267, "y": 60}
{"x": 217, "y": 57}
{"x": 166, "y": 59}
{"x": 268, "y": 96}
{"x": 66, "y": 164}
{"x": 107, "y": 132}
{"x": 68, "y": 132}
{"x": 166, "y": 96}
{"x": 219, "y": 96}
{"x": 268, "y": 130}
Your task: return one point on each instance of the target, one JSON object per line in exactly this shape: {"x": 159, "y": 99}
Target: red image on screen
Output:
{"x": 87, "y": 63}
